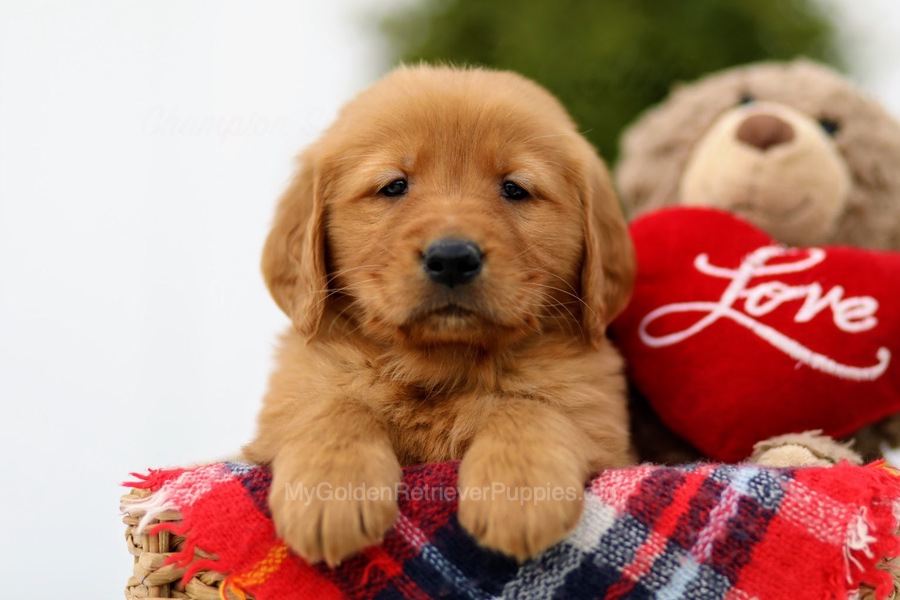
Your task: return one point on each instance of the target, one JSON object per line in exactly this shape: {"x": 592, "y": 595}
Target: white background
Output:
{"x": 142, "y": 147}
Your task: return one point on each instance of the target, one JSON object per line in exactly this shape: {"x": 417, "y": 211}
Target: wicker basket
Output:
{"x": 151, "y": 577}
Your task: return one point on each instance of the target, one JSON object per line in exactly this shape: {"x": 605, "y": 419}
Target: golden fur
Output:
{"x": 518, "y": 380}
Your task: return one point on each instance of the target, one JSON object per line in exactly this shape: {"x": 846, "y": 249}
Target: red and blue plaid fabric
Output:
{"x": 699, "y": 532}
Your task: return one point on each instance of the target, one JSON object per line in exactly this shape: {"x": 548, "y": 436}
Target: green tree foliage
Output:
{"x": 608, "y": 60}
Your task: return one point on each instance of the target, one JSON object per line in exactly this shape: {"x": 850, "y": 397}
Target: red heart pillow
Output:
{"x": 734, "y": 338}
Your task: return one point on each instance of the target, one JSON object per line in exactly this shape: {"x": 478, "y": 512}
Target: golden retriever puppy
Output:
{"x": 449, "y": 252}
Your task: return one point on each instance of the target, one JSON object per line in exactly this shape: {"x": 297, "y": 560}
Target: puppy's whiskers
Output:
{"x": 577, "y": 297}
{"x": 341, "y": 272}
{"x": 355, "y": 286}
{"x": 554, "y": 306}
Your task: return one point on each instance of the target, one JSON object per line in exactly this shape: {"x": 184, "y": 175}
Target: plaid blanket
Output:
{"x": 702, "y": 531}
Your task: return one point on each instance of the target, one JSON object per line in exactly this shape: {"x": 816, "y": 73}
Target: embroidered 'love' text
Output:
{"x": 851, "y": 315}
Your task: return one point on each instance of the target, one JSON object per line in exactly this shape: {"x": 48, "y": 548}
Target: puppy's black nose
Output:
{"x": 452, "y": 262}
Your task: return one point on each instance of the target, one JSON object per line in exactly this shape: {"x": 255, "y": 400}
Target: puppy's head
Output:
{"x": 451, "y": 206}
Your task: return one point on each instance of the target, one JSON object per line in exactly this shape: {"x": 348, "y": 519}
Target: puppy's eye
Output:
{"x": 394, "y": 188}
{"x": 747, "y": 99}
{"x": 511, "y": 191}
{"x": 830, "y": 126}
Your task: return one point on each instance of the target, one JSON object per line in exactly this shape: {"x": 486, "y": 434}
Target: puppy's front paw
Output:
{"x": 518, "y": 508}
{"x": 327, "y": 509}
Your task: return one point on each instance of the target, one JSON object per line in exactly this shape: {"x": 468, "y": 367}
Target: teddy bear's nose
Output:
{"x": 763, "y": 131}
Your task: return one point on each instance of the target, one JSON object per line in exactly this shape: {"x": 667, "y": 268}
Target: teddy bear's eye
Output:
{"x": 830, "y": 126}
{"x": 747, "y": 98}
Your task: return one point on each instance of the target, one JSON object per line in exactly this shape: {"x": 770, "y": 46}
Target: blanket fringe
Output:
{"x": 153, "y": 479}
{"x": 152, "y": 506}
{"x": 859, "y": 541}
{"x": 872, "y": 539}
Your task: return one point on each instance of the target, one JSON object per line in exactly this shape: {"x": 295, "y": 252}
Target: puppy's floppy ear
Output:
{"x": 293, "y": 261}
{"x": 608, "y": 270}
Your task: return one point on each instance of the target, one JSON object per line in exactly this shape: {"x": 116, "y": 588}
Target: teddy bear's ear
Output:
{"x": 648, "y": 177}
{"x": 656, "y": 147}
{"x": 653, "y": 152}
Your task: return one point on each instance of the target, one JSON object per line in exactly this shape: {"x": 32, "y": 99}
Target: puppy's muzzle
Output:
{"x": 452, "y": 262}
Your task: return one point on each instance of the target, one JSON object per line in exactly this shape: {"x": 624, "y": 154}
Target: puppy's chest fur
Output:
{"x": 427, "y": 426}
{"x": 432, "y": 406}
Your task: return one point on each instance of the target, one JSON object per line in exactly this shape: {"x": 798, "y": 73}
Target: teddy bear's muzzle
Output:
{"x": 773, "y": 165}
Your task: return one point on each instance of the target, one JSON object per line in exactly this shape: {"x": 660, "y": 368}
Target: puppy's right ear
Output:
{"x": 293, "y": 261}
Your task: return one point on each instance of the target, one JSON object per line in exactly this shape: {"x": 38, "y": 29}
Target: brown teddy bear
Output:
{"x": 793, "y": 148}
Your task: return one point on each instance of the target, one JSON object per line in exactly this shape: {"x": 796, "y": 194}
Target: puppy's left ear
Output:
{"x": 608, "y": 270}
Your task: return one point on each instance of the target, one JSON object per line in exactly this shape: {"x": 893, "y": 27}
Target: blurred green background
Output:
{"x": 608, "y": 60}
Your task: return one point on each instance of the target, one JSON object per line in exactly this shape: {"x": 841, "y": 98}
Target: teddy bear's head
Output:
{"x": 792, "y": 147}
